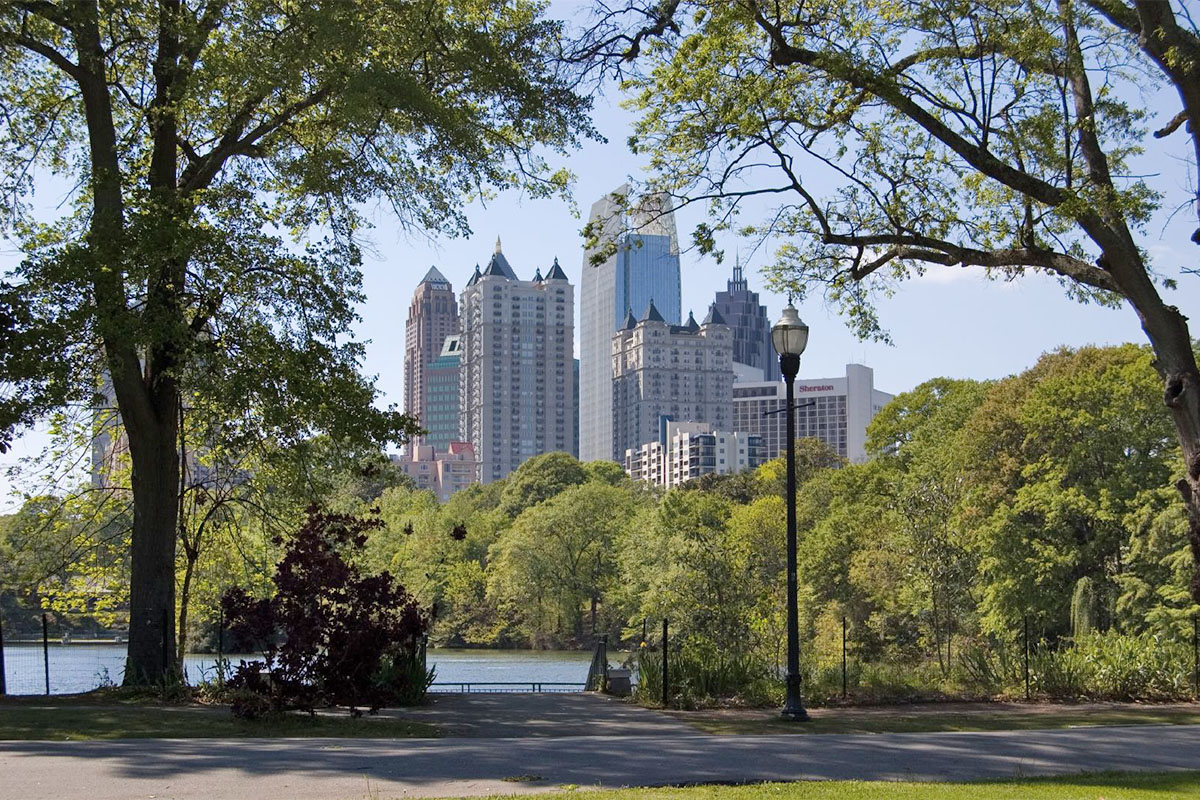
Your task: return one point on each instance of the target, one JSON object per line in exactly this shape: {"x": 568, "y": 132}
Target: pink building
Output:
{"x": 442, "y": 473}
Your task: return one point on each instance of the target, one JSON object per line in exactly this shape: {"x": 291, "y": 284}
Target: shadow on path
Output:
{"x": 635, "y": 747}
{"x": 558, "y": 715}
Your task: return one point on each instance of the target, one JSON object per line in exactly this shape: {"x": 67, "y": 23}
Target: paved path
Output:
{"x": 549, "y": 714}
{"x": 339, "y": 769}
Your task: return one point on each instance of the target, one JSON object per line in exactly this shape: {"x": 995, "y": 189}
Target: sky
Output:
{"x": 949, "y": 323}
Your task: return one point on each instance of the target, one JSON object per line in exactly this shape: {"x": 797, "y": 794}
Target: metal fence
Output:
{"x": 54, "y": 653}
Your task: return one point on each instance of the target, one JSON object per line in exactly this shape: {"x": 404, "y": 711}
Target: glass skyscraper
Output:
{"x": 644, "y": 268}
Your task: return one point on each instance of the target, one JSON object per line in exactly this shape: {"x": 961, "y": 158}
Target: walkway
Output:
{"x": 540, "y": 755}
{"x": 557, "y": 715}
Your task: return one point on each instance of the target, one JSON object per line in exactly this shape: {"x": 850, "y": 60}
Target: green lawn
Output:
{"x": 931, "y": 719}
{"x": 1108, "y": 786}
{"x": 113, "y": 717}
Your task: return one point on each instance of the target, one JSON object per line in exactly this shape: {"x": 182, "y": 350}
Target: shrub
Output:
{"x": 702, "y": 675}
{"x": 330, "y": 634}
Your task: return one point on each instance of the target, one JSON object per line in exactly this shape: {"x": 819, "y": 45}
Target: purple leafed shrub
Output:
{"x": 330, "y": 634}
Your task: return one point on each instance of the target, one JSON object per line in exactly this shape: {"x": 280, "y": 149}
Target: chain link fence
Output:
{"x": 54, "y": 653}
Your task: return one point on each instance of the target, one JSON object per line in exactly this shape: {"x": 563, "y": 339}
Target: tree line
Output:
{"x": 1041, "y": 499}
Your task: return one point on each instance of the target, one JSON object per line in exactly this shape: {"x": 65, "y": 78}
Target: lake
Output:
{"x": 82, "y": 667}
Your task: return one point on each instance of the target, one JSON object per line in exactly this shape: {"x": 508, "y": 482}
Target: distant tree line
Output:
{"x": 1041, "y": 498}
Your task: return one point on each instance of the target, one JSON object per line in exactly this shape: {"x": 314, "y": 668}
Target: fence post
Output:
{"x": 604, "y": 662}
{"x": 221, "y": 647}
{"x": 1026, "y": 620}
{"x": 664, "y": 665}
{"x": 843, "y": 656}
{"x": 46, "y": 651}
{"x": 3, "y": 684}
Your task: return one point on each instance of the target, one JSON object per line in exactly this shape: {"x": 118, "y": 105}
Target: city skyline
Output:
{"x": 950, "y": 322}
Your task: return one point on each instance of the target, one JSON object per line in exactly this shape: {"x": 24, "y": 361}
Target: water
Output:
{"x": 83, "y": 667}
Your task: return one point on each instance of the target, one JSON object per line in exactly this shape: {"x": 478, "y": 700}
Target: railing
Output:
{"x": 471, "y": 687}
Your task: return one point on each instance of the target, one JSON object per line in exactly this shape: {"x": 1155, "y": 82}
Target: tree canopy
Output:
{"x": 992, "y": 135}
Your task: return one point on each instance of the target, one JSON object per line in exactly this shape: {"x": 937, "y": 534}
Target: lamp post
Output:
{"x": 790, "y": 336}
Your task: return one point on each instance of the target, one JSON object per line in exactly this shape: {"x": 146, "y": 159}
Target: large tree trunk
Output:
{"x": 151, "y": 656}
{"x": 1181, "y": 393}
{"x": 1164, "y": 326}
{"x": 1175, "y": 361}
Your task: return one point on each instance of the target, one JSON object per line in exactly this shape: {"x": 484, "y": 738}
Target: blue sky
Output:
{"x": 950, "y": 322}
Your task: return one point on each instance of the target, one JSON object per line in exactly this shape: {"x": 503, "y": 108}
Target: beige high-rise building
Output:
{"x": 692, "y": 450}
{"x": 432, "y": 316}
{"x": 664, "y": 372}
{"x": 516, "y": 377}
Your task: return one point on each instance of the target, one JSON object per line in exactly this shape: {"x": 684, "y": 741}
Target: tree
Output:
{"x": 539, "y": 479}
{"x": 1058, "y": 462}
{"x": 330, "y": 633}
{"x": 813, "y": 456}
{"x": 218, "y": 152}
{"x": 963, "y": 134}
{"x": 551, "y": 569}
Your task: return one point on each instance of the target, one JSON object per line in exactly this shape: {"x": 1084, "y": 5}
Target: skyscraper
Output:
{"x": 516, "y": 384}
{"x": 432, "y": 316}
{"x": 441, "y": 396}
{"x": 668, "y": 372}
{"x": 643, "y": 268}
{"x": 750, "y": 325}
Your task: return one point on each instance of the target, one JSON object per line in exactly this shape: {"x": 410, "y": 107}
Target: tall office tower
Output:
{"x": 441, "y": 396}
{"x": 432, "y": 316}
{"x": 838, "y": 414}
{"x": 516, "y": 384}
{"x": 664, "y": 372}
{"x": 751, "y": 327}
{"x": 575, "y": 411}
{"x": 644, "y": 267}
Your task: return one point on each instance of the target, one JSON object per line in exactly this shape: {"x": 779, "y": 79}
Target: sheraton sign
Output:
{"x": 821, "y": 388}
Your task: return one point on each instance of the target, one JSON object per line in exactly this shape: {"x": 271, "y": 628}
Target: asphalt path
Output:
{"x": 339, "y": 769}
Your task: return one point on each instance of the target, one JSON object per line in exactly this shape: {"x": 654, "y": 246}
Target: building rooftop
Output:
{"x": 434, "y": 276}
{"x": 714, "y": 317}
{"x": 652, "y": 314}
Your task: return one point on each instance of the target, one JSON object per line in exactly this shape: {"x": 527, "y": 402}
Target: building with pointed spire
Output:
{"x": 644, "y": 264}
{"x": 751, "y": 328}
{"x": 664, "y": 372}
{"x": 432, "y": 316}
{"x": 516, "y": 378}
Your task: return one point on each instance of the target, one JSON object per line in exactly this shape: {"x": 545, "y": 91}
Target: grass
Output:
{"x": 1103, "y": 786}
{"x": 931, "y": 718}
{"x": 121, "y": 715}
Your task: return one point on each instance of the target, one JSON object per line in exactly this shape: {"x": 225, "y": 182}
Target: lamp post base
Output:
{"x": 793, "y": 706}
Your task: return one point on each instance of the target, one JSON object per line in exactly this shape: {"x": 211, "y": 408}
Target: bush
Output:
{"x": 330, "y": 634}
{"x": 1097, "y": 666}
{"x": 701, "y": 675}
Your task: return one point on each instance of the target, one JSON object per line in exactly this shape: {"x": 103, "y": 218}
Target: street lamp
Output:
{"x": 790, "y": 336}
